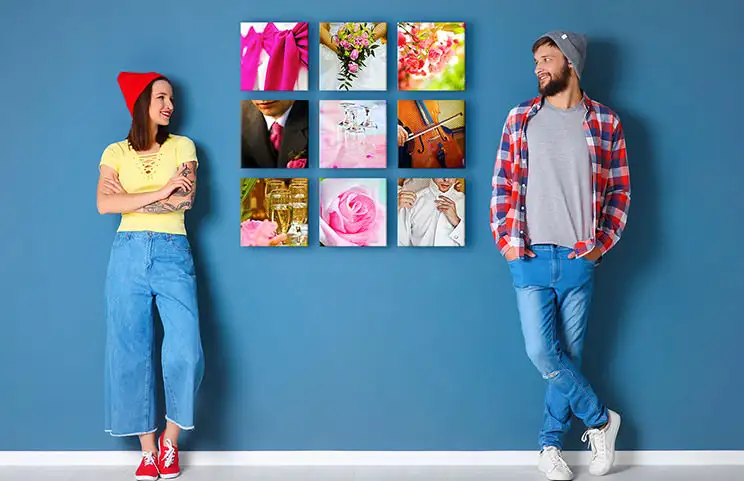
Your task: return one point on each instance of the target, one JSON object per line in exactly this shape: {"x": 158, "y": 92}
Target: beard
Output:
{"x": 555, "y": 85}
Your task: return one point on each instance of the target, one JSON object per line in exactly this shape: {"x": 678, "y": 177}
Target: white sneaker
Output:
{"x": 552, "y": 465}
{"x": 602, "y": 442}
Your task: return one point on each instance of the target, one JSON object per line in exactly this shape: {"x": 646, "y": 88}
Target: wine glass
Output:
{"x": 280, "y": 209}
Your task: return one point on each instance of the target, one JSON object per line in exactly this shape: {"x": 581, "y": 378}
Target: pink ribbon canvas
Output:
{"x": 288, "y": 53}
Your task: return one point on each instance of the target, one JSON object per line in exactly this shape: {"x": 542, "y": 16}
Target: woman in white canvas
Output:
{"x": 371, "y": 76}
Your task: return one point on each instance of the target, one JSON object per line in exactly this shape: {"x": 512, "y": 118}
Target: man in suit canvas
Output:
{"x": 274, "y": 133}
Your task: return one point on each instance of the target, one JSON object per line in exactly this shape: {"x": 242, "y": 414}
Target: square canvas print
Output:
{"x": 273, "y": 212}
{"x": 353, "y": 56}
{"x": 273, "y": 56}
{"x": 353, "y": 134}
{"x": 431, "y": 134}
{"x": 274, "y": 134}
{"x": 431, "y": 212}
{"x": 353, "y": 212}
{"x": 431, "y": 56}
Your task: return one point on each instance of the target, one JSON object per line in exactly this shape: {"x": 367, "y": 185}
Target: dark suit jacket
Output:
{"x": 256, "y": 149}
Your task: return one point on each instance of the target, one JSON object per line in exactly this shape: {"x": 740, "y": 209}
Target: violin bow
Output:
{"x": 432, "y": 127}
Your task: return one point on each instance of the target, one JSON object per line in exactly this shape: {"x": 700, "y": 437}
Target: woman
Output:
{"x": 150, "y": 179}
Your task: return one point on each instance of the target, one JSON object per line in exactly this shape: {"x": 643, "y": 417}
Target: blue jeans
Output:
{"x": 553, "y": 297}
{"x": 147, "y": 266}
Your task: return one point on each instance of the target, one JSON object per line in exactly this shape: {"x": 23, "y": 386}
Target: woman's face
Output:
{"x": 161, "y": 103}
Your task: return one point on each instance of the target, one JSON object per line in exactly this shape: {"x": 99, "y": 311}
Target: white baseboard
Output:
{"x": 367, "y": 458}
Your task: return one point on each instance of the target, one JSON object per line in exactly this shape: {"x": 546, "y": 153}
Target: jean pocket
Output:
{"x": 179, "y": 242}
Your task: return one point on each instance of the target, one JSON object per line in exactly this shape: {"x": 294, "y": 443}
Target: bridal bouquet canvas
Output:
{"x": 431, "y": 56}
{"x": 353, "y": 212}
{"x": 352, "y": 56}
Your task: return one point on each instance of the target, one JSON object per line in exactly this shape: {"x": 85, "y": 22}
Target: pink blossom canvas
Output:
{"x": 353, "y": 213}
{"x": 431, "y": 56}
{"x": 353, "y": 134}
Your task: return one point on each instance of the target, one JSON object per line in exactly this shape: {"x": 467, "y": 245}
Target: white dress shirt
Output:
{"x": 423, "y": 225}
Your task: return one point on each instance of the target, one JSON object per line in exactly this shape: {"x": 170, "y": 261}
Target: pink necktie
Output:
{"x": 276, "y": 135}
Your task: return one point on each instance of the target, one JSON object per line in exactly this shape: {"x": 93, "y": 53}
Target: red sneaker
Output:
{"x": 148, "y": 469}
{"x": 168, "y": 460}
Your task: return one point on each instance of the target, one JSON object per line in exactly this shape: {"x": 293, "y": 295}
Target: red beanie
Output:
{"x": 132, "y": 84}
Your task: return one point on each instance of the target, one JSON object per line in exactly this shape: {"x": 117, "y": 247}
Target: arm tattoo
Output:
{"x": 178, "y": 200}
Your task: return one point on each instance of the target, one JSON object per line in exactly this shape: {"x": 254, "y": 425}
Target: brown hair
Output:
{"x": 543, "y": 41}
{"x": 140, "y": 136}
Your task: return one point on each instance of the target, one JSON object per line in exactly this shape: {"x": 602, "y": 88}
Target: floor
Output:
{"x": 205, "y": 473}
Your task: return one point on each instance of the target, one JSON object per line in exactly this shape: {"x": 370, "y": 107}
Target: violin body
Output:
{"x": 436, "y": 148}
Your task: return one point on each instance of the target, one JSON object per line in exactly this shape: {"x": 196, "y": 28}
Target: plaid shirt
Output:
{"x": 610, "y": 179}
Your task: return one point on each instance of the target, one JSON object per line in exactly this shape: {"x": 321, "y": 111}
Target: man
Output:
{"x": 553, "y": 232}
{"x": 274, "y": 133}
{"x": 432, "y": 216}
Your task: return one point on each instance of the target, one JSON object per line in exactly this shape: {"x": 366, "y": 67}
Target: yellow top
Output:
{"x": 145, "y": 173}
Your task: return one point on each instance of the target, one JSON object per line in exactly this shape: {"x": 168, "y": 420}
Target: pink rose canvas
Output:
{"x": 353, "y": 213}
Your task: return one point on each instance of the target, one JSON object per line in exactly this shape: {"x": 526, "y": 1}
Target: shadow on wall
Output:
{"x": 631, "y": 257}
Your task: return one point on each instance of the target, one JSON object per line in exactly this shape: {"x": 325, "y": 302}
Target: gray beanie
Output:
{"x": 573, "y": 46}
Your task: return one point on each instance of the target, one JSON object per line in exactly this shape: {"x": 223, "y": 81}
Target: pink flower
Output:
{"x": 354, "y": 54}
{"x": 352, "y": 218}
{"x": 297, "y": 164}
{"x": 401, "y": 39}
{"x": 365, "y": 35}
{"x": 435, "y": 55}
{"x": 259, "y": 233}
{"x": 365, "y": 42}
{"x": 356, "y": 27}
{"x": 335, "y": 39}
{"x": 353, "y": 67}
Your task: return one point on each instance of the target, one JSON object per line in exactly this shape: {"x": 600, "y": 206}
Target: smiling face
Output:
{"x": 552, "y": 70}
{"x": 273, "y": 108}
{"x": 161, "y": 102}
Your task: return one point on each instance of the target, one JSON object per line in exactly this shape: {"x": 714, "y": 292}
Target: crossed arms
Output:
{"x": 176, "y": 195}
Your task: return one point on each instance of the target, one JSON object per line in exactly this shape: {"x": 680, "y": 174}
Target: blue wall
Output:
{"x": 388, "y": 349}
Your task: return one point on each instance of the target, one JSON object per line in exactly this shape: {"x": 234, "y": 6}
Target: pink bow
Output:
{"x": 288, "y": 52}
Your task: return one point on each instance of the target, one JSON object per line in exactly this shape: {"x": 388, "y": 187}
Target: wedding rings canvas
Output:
{"x": 273, "y": 212}
{"x": 353, "y": 56}
{"x": 274, "y": 134}
{"x": 431, "y": 212}
{"x": 353, "y": 134}
{"x": 431, "y": 134}
{"x": 353, "y": 213}
{"x": 431, "y": 56}
{"x": 274, "y": 56}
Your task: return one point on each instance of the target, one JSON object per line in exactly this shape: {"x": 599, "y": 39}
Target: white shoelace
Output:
{"x": 596, "y": 439}
{"x": 149, "y": 458}
{"x": 556, "y": 458}
{"x": 170, "y": 453}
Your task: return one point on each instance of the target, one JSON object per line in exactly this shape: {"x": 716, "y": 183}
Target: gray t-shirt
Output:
{"x": 559, "y": 185}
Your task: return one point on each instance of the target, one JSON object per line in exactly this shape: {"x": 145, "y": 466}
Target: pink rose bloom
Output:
{"x": 435, "y": 55}
{"x": 365, "y": 43}
{"x": 353, "y": 67}
{"x": 365, "y": 35}
{"x": 346, "y": 44}
{"x": 356, "y": 27}
{"x": 257, "y": 233}
{"x": 354, "y": 54}
{"x": 353, "y": 218}
{"x": 297, "y": 164}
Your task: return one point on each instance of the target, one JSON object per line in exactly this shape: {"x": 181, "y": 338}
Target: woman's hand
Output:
{"x": 175, "y": 183}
